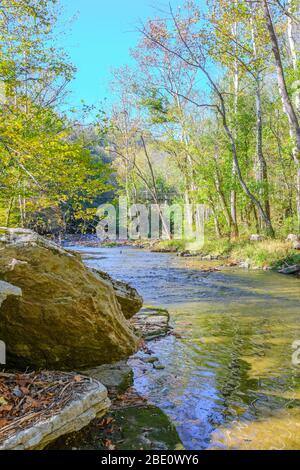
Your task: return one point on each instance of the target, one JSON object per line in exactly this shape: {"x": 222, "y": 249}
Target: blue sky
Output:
{"x": 100, "y": 38}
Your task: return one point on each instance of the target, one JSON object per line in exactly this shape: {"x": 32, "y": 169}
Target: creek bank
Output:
{"x": 77, "y": 419}
{"x": 151, "y": 323}
{"x": 142, "y": 427}
{"x": 255, "y": 253}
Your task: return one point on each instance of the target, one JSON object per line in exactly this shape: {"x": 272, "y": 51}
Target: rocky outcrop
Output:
{"x": 118, "y": 375}
{"x": 67, "y": 318}
{"x": 256, "y": 238}
{"x": 293, "y": 238}
{"x": 90, "y": 403}
{"x": 128, "y": 297}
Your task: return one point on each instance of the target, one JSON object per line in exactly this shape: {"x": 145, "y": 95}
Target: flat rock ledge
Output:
{"x": 151, "y": 323}
{"x": 91, "y": 403}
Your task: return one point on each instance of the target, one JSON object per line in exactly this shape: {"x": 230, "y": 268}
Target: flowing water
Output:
{"x": 229, "y": 381}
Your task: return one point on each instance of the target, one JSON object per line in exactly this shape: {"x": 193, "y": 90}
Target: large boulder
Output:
{"x": 128, "y": 297}
{"x": 67, "y": 317}
{"x": 294, "y": 269}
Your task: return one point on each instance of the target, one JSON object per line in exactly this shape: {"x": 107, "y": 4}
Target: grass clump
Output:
{"x": 267, "y": 253}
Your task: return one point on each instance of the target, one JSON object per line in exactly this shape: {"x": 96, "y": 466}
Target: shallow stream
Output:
{"x": 229, "y": 381}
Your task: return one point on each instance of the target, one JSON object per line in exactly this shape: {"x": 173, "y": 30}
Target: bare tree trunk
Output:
{"x": 233, "y": 201}
{"x": 257, "y": 225}
{"x": 191, "y": 178}
{"x": 261, "y": 162}
{"x": 24, "y": 209}
{"x": 217, "y": 225}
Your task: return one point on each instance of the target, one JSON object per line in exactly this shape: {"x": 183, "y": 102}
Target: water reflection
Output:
{"x": 228, "y": 380}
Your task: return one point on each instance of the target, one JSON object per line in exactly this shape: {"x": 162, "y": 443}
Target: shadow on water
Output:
{"x": 228, "y": 380}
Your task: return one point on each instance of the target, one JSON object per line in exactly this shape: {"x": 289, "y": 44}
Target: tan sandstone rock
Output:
{"x": 128, "y": 297}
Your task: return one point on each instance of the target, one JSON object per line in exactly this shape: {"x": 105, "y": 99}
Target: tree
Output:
{"x": 41, "y": 166}
{"x": 186, "y": 44}
{"x": 288, "y": 106}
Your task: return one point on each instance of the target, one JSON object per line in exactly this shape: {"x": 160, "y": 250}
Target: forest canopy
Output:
{"x": 208, "y": 114}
